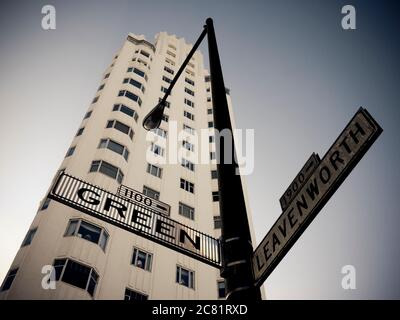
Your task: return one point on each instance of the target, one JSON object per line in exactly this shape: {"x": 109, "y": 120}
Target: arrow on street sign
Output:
{"x": 336, "y": 165}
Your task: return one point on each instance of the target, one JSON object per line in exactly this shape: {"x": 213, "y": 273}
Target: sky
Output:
{"x": 296, "y": 78}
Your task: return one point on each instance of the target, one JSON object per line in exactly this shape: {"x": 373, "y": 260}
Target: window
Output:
{"x": 207, "y": 78}
{"x": 131, "y": 96}
{"x": 142, "y": 62}
{"x": 29, "y": 237}
{"x": 208, "y": 99}
{"x": 144, "y": 53}
{"x": 169, "y": 61}
{"x": 187, "y": 164}
{"x": 160, "y": 132}
{"x": 9, "y": 279}
{"x": 80, "y": 131}
{"x": 170, "y": 71}
{"x": 164, "y": 89}
{"x": 217, "y": 222}
{"x": 167, "y": 104}
{"x": 188, "y": 129}
{"x": 186, "y": 211}
{"x": 210, "y": 124}
{"x": 215, "y": 196}
{"x": 212, "y": 155}
{"x": 171, "y": 54}
{"x": 70, "y": 152}
{"x": 154, "y": 170}
{"x": 189, "y": 81}
{"x": 114, "y": 146}
{"x": 165, "y": 117}
{"x": 209, "y": 111}
{"x": 208, "y": 89}
{"x": 134, "y": 295}
{"x": 138, "y": 72}
{"x": 141, "y": 259}
{"x": 87, "y": 231}
{"x": 87, "y": 115}
{"x": 188, "y": 115}
{"x": 107, "y": 169}
{"x": 151, "y": 193}
{"x": 186, "y": 185}
{"x": 106, "y": 76}
{"x": 166, "y": 79}
{"x": 211, "y": 139}
{"x": 189, "y": 91}
{"x": 134, "y": 83}
{"x": 185, "y": 277}
{"x": 187, "y": 145}
{"x": 76, "y": 274}
{"x": 45, "y": 204}
{"x": 214, "y": 174}
{"x": 221, "y": 289}
{"x": 120, "y": 127}
{"x": 189, "y": 103}
{"x": 101, "y": 87}
{"x": 128, "y": 111}
{"x": 95, "y": 99}
{"x": 171, "y": 46}
{"x": 191, "y": 65}
{"x": 189, "y": 72}
{"x": 156, "y": 149}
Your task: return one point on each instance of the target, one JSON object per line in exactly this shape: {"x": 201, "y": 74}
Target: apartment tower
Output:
{"x": 93, "y": 259}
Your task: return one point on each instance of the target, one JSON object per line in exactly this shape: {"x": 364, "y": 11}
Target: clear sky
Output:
{"x": 296, "y": 77}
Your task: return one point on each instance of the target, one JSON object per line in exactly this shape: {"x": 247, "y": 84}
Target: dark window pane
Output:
{"x": 92, "y": 283}
{"x": 28, "y": 238}
{"x": 127, "y": 111}
{"x": 76, "y": 274}
{"x": 116, "y": 147}
{"x": 58, "y": 267}
{"x": 184, "y": 280}
{"x": 95, "y": 166}
{"x": 89, "y": 232}
{"x": 121, "y": 127}
{"x": 215, "y": 196}
{"x": 134, "y": 295}
{"x": 9, "y": 279}
{"x": 221, "y": 289}
{"x": 80, "y": 131}
{"x": 108, "y": 169}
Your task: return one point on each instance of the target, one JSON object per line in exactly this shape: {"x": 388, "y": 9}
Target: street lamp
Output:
{"x": 236, "y": 245}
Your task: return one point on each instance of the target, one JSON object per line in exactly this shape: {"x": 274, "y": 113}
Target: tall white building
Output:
{"x": 94, "y": 259}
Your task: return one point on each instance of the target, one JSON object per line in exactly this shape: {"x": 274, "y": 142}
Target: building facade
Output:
{"x": 93, "y": 259}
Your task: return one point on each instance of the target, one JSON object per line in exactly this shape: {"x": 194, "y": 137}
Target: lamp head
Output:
{"x": 154, "y": 118}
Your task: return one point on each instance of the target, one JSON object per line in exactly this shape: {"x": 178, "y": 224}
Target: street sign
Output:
{"x": 338, "y": 162}
{"x": 137, "y": 196}
{"x": 299, "y": 181}
{"x": 135, "y": 217}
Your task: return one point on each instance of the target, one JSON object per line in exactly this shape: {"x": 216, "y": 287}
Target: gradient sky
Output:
{"x": 295, "y": 76}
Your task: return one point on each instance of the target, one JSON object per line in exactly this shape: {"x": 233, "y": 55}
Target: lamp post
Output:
{"x": 236, "y": 245}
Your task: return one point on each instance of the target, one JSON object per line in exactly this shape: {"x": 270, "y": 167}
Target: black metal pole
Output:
{"x": 237, "y": 248}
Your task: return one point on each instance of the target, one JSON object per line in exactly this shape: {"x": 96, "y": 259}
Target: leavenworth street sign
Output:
{"x": 335, "y": 166}
{"x": 301, "y": 202}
